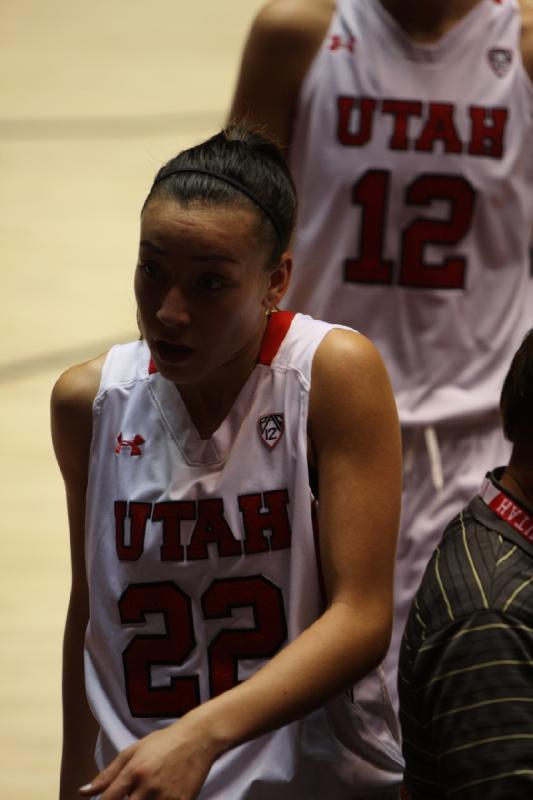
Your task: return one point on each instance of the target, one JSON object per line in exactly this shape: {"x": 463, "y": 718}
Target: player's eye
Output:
{"x": 213, "y": 282}
{"x": 150, "y": 270}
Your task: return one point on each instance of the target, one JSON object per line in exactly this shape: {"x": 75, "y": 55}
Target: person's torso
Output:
{"x": 414, "y": 169}
{"x": 202, "y": 563}
{"x": 458, "y": 650}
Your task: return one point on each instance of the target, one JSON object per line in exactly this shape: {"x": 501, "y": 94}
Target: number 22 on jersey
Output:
{"x": 181, "y": 693}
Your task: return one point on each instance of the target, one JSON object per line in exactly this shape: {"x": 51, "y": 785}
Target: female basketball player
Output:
{"x": 223, "y": 619}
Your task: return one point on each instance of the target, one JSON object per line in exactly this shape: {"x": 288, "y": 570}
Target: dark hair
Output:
{"x": 516, "y": 400}
{"x": 245, "y": 157}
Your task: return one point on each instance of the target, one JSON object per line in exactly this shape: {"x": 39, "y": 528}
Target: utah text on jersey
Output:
{"x": 265, "y": 525}
{"x": 424, "y": 127}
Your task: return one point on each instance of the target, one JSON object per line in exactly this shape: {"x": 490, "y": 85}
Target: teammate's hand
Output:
{"x": 166, "y": 765}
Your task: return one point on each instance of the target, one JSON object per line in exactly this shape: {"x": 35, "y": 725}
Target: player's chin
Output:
{"x": 188, "y": 371}
{"x": 177, "y": 373}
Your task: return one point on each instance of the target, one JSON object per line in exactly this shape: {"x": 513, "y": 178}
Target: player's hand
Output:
{"x": 169, "y": 764}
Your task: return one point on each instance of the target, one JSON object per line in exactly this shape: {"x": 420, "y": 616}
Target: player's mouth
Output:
{"x": 172, "y": 353}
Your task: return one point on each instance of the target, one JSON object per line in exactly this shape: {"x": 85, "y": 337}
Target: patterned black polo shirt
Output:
{"x": 466, "y": 665}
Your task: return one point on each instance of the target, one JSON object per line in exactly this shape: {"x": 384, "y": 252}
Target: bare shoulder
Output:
{"x": 301, "y": 20}
{"x": 526, "y": 7}
{"x": 344, "y": 354}
{"x": 350, "y": 384}
{"x": 293, "y": 30}
{"x": 71, "y": 412}
{"x": 76, "y": 388}
{"x": 281, "y": 45}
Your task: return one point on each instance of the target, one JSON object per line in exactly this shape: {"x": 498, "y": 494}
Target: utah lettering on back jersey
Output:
{"x": 432, "y": 126}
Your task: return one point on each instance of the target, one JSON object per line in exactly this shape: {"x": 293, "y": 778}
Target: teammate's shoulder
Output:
{"x": 295, "y": 21}
{"x": 76, "y": 388}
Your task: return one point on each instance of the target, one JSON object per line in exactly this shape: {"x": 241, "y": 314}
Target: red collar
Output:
{"x": 507, "y": 508}
{"x": 278, "y": 324}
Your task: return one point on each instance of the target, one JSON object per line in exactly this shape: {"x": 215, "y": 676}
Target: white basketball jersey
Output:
{"x": 202, "y": 563}
{"x": 414, "y": 169}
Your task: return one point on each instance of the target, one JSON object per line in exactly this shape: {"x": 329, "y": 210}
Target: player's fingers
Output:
{"x": 135, "y": 783}
{"x": 118, "y": 789}
{"x": 107, "y": 775}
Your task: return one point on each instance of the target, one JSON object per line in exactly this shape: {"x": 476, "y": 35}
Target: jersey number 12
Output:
{"x": 371, "y": 192}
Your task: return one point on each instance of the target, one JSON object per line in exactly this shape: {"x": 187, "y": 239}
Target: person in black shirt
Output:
{"x": 466, "y": 663}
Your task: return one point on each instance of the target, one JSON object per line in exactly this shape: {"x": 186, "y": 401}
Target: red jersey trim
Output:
{"x": 277, "y": 327}
{"x": 152, "y": 369}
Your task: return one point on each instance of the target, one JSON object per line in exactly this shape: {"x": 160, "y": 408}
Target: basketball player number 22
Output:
{"x": 177, "y": 694}
{"x": 371, "y": 193}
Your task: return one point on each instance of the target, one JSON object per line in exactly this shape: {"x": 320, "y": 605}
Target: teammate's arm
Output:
{"x": 527, "y": 35}
{"x": 71, "y": 410}
{"x": 355, "y": 435}
{"x": 281, "y": 44}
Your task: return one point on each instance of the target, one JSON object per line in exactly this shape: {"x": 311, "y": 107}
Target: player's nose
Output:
{"x": 174, "y": 309}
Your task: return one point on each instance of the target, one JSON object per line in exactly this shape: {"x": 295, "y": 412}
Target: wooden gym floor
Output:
{"x": 96, "y": 96}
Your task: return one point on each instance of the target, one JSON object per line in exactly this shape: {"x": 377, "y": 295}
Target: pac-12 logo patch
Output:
{"x": 500, "y": 60}
{"x": 271, "y": 429}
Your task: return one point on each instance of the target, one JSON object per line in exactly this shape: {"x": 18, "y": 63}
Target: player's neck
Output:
{"x": 428, "y": 21}
{"x": 518, "y": 475}
{"x": 210, "y": 399}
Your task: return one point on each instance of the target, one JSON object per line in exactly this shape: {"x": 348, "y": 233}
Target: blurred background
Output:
{"x": 95, "y": 97}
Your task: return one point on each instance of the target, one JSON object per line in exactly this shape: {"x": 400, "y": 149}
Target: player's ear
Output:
{"x": 278, "y": 281}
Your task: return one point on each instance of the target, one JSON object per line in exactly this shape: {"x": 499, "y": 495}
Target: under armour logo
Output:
{"x": 271, "y": 429}
{"x": 134, "y": 444}
{"x": 338, "y": 43}
{"x": 500, "y": 60}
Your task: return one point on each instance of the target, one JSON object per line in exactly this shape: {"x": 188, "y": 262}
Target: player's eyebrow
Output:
{"x": 152, "y": 246}
{"x": 215, "y": 257}
{"x": 209, "y": 256}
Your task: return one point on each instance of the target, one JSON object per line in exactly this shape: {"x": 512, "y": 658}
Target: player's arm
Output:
{"x": 527, "y": 35}
{"x": 473, "y": 687}
{"x": 281, "y": 44}
{"x": 355, "y": 434}
{"x": 71, "y": 411}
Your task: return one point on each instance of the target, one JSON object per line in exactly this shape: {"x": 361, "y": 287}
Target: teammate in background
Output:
{"x": 466, "y": 688}
{"x": 223, "y": 629}
{"x": 410, "y": 126}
